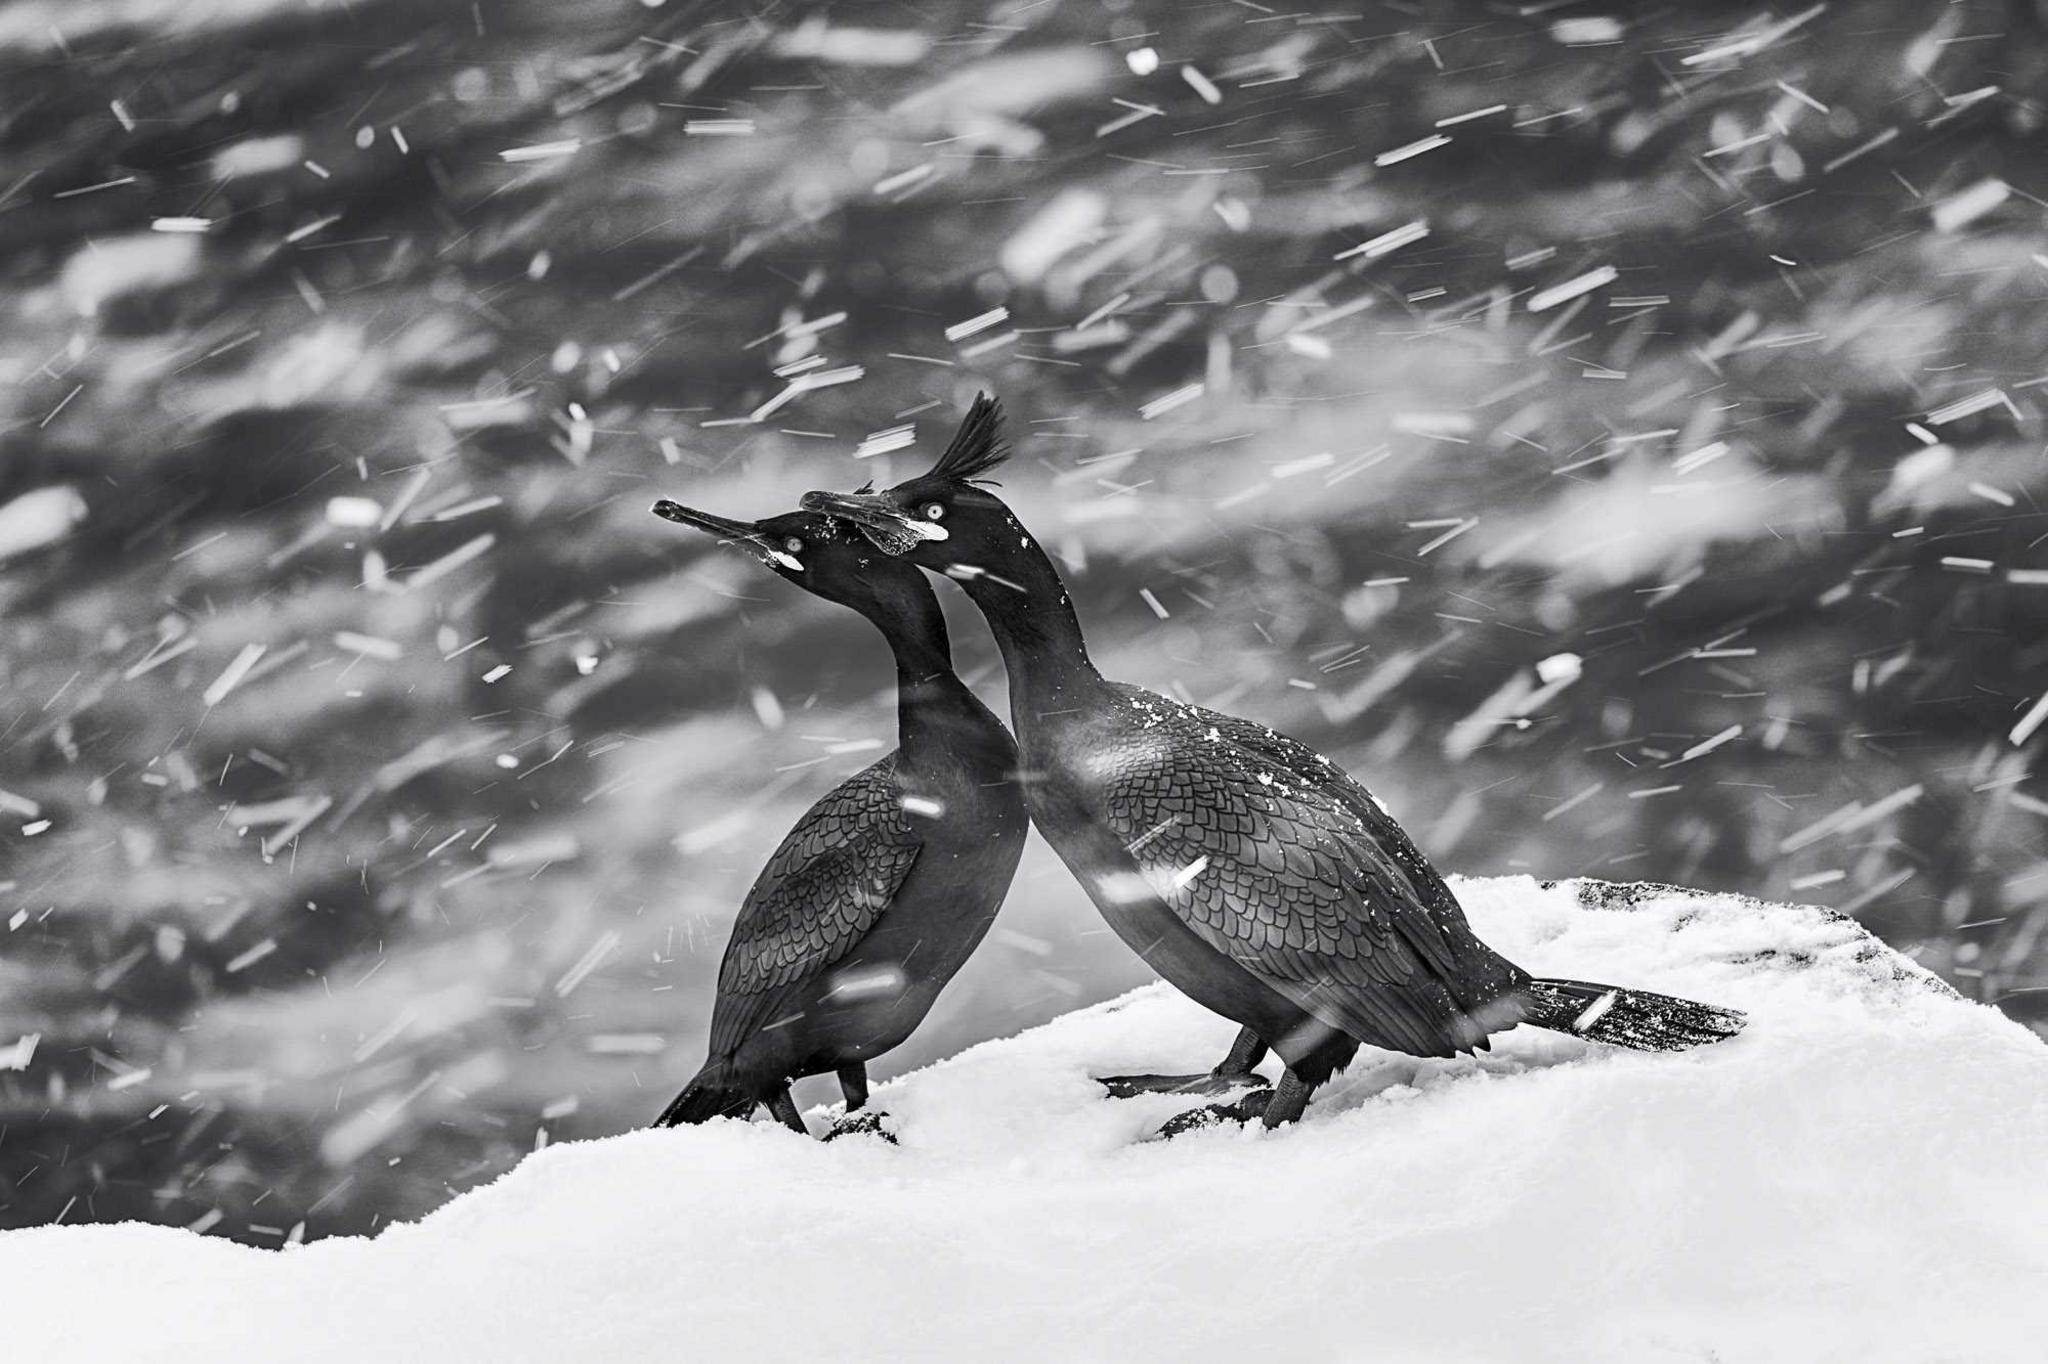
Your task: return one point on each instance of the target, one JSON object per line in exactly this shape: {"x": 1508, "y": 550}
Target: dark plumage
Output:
{"x": 977, "y": 447}
{"x": 883, "y": 889}
{"x": 1246, "y": 868}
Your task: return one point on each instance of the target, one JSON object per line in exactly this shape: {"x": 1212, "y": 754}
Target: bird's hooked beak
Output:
{"x": 741, "y": 533}
{"x": 887, "y": 526}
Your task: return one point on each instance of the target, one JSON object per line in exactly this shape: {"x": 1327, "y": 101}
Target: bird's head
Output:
{"x": 943, "y": 519}
{"x": 823, "y": 555}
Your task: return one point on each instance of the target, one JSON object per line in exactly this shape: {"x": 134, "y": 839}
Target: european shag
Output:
{"x": 1249, "y": 870}
{"x": 886, "y": 886}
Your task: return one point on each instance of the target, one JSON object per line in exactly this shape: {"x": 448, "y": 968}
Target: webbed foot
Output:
{"x": 1235, "y": 1071}
{"x": 1242, "y": 1110}
{"x": 866, "y": 1122}
{"x": 1208, "y": 1082}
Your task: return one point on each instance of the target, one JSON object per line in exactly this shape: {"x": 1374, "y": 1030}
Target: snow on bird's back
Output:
{"x": 1860, "y": 1174}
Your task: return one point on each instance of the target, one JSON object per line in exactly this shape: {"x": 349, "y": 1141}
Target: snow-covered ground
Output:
{"x": 1863, "y": 1175}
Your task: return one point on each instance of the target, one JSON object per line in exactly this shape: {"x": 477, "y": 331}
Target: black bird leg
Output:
{"x": 1245, "y": 1053}
{"x": 1288, "y": 1101}
{"x": 853, "y": 1083}
{"x": 784, "y": 1109}
{"x": 859, "y": 1120}
{"x": 1235, "y": 1071}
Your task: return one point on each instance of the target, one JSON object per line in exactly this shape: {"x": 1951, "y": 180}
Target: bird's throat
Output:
{"x": 1034, "y": 624}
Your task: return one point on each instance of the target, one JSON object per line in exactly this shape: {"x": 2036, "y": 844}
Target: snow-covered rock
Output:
{"x": 1862, "y": 1175}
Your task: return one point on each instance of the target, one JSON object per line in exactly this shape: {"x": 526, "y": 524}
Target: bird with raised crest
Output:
{"x": 1247, "y": 869}
{"x": 879, "y": 894}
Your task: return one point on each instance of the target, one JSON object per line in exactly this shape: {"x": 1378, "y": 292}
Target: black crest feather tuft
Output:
{"x": 978, "y": 446}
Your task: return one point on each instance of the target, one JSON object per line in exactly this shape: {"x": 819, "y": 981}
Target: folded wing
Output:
{"x": 820, "y": 894}
{"x": 1278, "y": 858}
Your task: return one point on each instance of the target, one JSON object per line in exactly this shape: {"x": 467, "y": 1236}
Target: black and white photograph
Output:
{"x": 1070, "y": 681}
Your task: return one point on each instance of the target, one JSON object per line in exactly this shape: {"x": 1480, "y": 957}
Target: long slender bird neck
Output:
{"x": 917, "y": 637}
{"x": 937, "y": 714}
{"x": 1035, "y": 627}
{"x": 940, "y": 722}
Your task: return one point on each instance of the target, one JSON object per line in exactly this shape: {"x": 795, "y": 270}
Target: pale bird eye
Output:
{"x": 933, "y": 511}
{"x": 793, "y": 545}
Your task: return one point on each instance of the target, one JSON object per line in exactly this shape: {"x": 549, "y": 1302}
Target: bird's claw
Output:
{"x": 1242, "y": 1110}
{"x": 868, "y": 1122}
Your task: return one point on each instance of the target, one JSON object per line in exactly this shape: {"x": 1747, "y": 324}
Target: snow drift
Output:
{"x": 1863, "y": 1174}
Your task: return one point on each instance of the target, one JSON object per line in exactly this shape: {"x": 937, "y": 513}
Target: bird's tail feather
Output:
{"x": 1636, "y": 1019}
{"x": 712, "y": 1094}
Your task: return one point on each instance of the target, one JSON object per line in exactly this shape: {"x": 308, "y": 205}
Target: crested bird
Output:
{"x": 1248, "y": 870}
{"x": 880, "y": 893}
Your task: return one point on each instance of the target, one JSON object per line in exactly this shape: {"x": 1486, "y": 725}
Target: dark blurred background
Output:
{"x": 1616, "y": 432}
